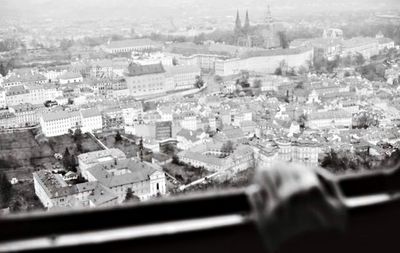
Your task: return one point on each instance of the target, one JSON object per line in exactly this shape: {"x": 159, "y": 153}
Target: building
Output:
{"x": 3, "y": 101}
{"x": 91, "y": 120}
{"x": 7, "y": 119}
{"x": 241, "y": 159}
{"x": 146, "y": 180}
{"x": 265, "y": 153}
{"x": 266, "y": 62}
{"x": 132, "y": 112}
{"x": 27, "y": 114}
{"x": 267, "y": 32}
{"x": 22, "y": 77}
{"x": 109, "y": 88}
{"x": 190, "y": 121}
{"x": 40, "y": 93}
{"x": 188, "y": 139}
{"x": 70, "y": 77}
{"x": 303, "y": 151}
{"x": 16, "y": 95}
{"x": 384, "y": 43}
{"x": 163, "y": 130}
{"x": 60, "y": 122}
{"x": 126, "y": 46}
{"x": 333, "y": 33}
{"x": 182, "y": 77}
{"x": 206, "y": 62}
{"x": 323, "y": 47}
{"x": 54, "y": 192}
{"x": 327, "y": 119}
{"x": 90, "y": 159}
{"x": 108, "y": 184}
{"x": 113, "y": 117}
{"x": 365, "y": 46}
{"x": 145, "y": 80}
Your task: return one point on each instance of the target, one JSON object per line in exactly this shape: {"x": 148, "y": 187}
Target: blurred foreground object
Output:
{"x": 291, "y": 199}
{"x": 289, "y": 208}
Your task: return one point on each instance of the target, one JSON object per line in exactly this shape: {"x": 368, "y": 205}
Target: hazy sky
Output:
{"x": 149, "y": 8}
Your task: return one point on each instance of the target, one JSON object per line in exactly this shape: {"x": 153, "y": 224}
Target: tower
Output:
{"x": 268, "y": 16}
{"x": 246, "y": 26}
{"x": 238, "y": 25}
{"x": 269, "y": 33}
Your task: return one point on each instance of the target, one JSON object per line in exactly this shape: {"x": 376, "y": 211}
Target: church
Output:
{"x": 265, "y": 35}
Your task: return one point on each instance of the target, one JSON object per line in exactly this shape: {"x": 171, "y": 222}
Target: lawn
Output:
{"x": 185, "y": 173}
{"x": 22, "y": 149}
{"x": 130, "y": 148}
{"x": 23, "y": 198}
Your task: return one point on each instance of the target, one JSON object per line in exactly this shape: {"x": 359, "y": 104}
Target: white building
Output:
{"x": 266, "y": 62}
{"x": 91, "y": 120}
{"x": 145, "y": 80}
{"x": 337, "y": 118}
{"x": 183, "y": 77}
{"x": 59, "y": 123}
{"x": 70, "y": 77}
{"x": 125, "y": 46}
{"x": 54, "y": 192}
{"x": 303, "y": 151}
{"x": 190, "y": 121}
{"x": 3, "y": 102}
{"x": 146, "y": 180}
{"x": 40, "y": 93}
{"x": 90, "y": 159}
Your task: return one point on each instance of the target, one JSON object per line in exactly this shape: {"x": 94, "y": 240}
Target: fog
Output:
{"x": 89, "y": 9}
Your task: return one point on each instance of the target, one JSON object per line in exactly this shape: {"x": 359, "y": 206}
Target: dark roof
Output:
{"x": 139, "y": 70}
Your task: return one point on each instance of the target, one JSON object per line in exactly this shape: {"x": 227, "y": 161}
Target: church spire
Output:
{"x": 246, "y": 26}
{"x": 268, "y": 17}
{"x": 238, "y": 23}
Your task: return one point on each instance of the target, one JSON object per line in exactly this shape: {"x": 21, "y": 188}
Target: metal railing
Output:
{"x": 230, "y": 221}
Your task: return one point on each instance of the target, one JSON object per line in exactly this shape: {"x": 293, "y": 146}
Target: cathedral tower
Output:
{"x": 238, "y": 25}
{"x": 246, "y": 27}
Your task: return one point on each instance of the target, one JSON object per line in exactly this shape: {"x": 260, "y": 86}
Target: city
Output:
{"x": 96, "y": 114}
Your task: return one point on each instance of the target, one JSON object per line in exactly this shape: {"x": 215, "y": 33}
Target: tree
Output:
{"x": 199, "y": 39}
{"x": 227, "y": 147}
{"x": 69, "y": 160}
{"x": 199, "y": 82}
{"x": 78, "y": 135}
{"x": 5, "y": 190}
{"x": 175, "y": 160}
{"x": 359, "y": 59}
{"x": 169, "y": 149}
{"x": 278, "y": 71}
{"x": 130, "y": 197}
{"x": 218, "y": 79}
{"x": 284, "y": 42}
{"x": 66, "y": 44}
{"x": 302, "y": 120}
{"x": 257, "y": 83}
{"x": 118, "y": 137}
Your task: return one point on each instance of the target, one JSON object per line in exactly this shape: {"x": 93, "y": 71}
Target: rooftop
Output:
{"x": 130, "y": 43}
{"x": 50, "y": 116}
{"x": 101, "y": 155}
{"x": 125, "y": 171}
{"x": 139, "y": 70}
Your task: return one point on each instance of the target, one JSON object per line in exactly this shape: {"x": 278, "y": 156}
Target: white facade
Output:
{"x": 264, "y": 64}
{"x": 58, "y": 123}
{"x": 91, "y": 121}
{"x": 3, "y": 101}
{"x": 183, "y": 77}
